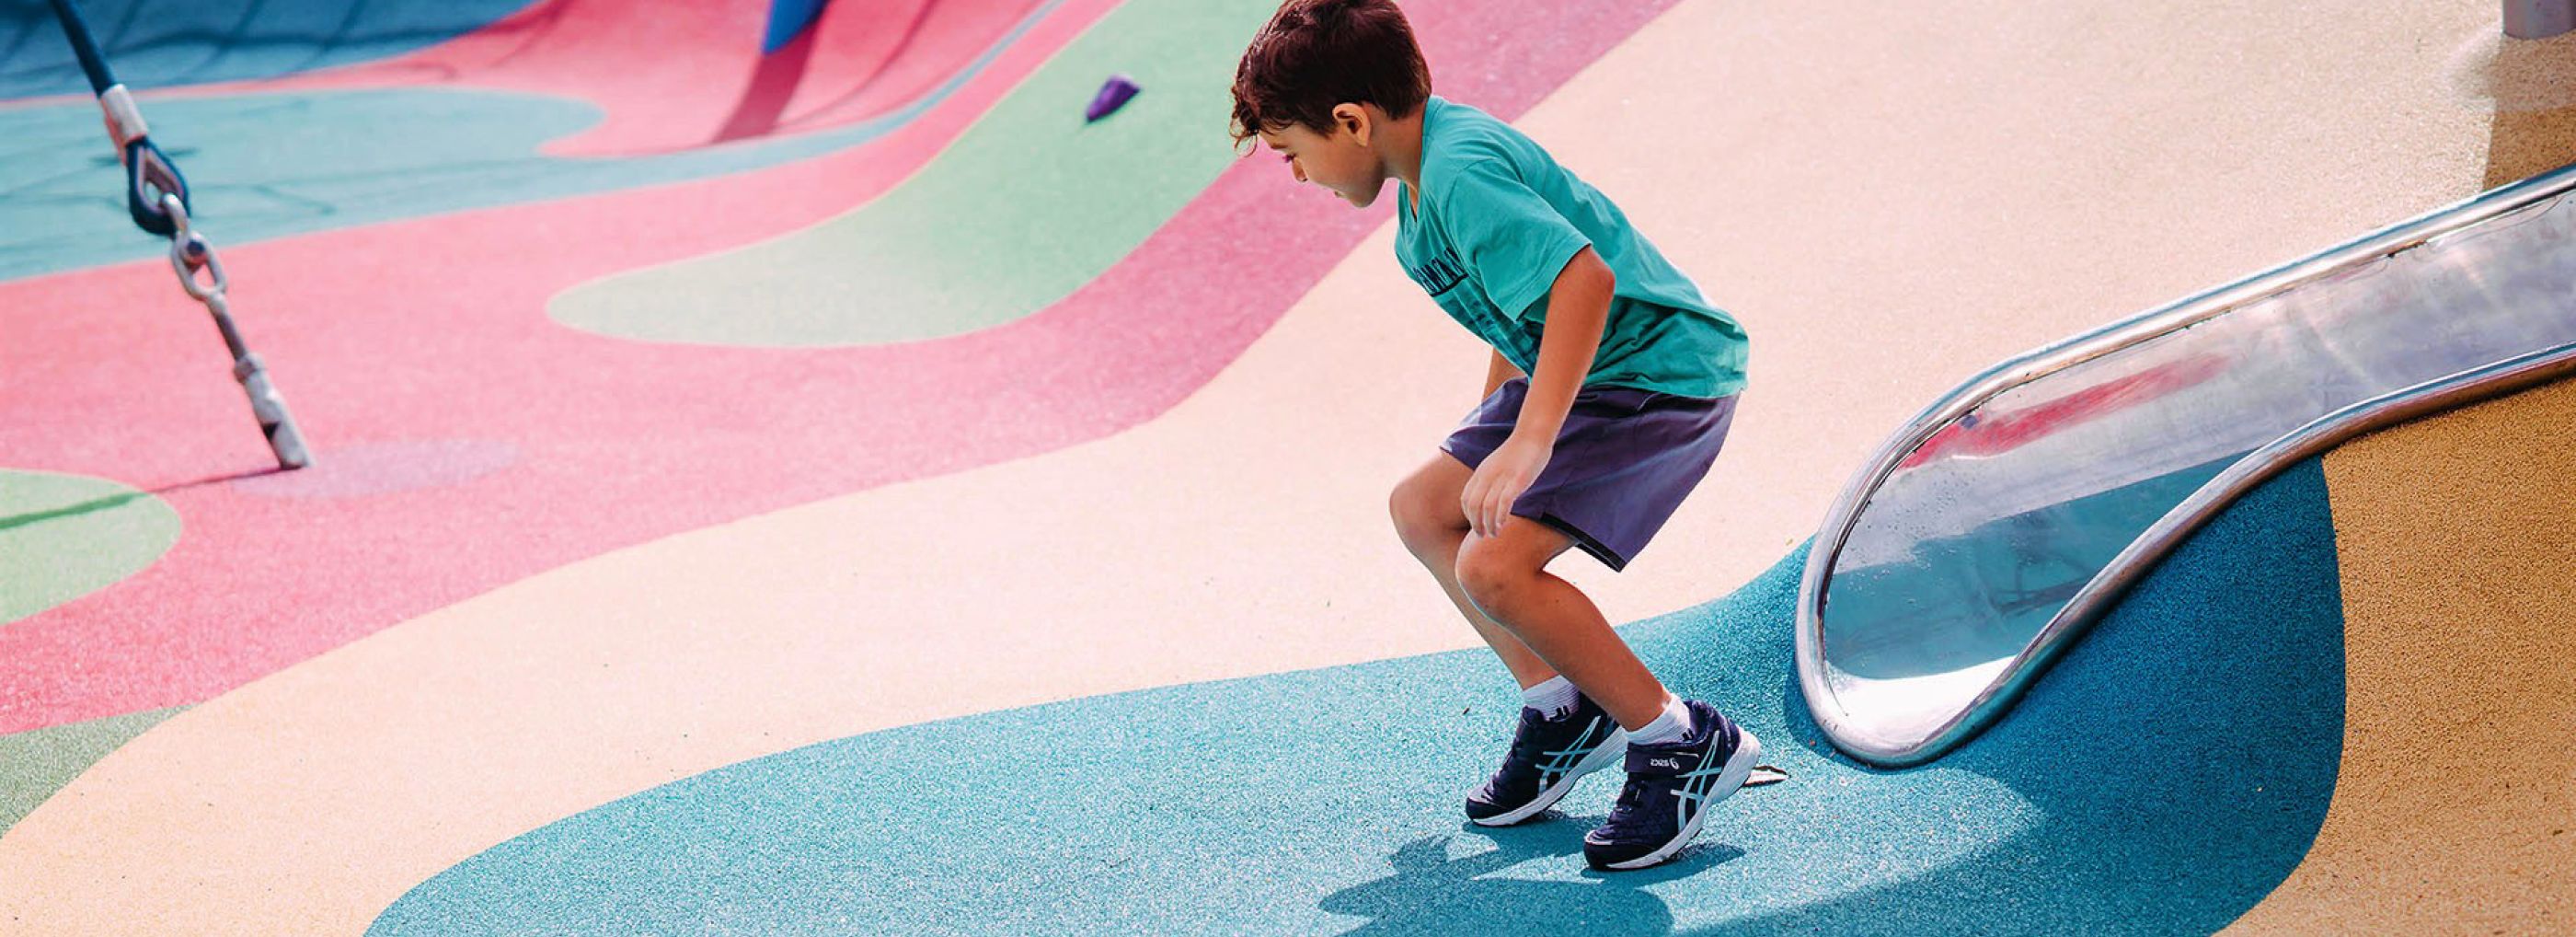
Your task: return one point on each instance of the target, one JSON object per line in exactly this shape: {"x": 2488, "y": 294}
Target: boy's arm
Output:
{"x": 1578, "y": 305}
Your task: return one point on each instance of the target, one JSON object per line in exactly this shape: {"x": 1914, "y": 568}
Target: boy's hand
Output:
{"x": 1499, "y": 482}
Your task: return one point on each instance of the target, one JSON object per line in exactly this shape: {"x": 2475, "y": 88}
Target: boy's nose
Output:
{"x": 1297, "y": 171}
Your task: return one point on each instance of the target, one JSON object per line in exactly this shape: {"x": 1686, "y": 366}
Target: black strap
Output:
{"x": 92, "y": 63}
{"x": 148, "y": 171}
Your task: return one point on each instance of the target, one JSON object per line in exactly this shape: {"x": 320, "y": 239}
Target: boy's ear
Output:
{"x": 1354, "y": 119}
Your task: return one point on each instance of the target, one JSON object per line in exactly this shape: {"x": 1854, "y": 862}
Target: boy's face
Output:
{"x": 1339, "y": 159}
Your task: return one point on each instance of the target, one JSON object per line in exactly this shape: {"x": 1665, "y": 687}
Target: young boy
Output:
{"x": 1610, "y": 391}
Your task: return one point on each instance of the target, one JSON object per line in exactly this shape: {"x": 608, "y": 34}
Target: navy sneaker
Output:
{"x": 1670, "y": 788}
{"x": 1547, "y": 757}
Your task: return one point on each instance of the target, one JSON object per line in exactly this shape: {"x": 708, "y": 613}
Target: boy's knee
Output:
{"x": 1402, "y": 507}
{"x": 1490, "y": 576}
{"x": 1417, "y": 513}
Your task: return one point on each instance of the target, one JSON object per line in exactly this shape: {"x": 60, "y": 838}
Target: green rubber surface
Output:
{"x": 1024, "y": 208}
{"x": 66, "y": 536}
{"x": 33, "y": 765}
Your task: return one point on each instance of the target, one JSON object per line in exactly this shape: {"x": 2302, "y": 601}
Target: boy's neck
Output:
{"x": 1400, "y": 146}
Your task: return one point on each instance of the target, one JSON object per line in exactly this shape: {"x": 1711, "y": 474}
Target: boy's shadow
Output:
{"x": 1430, "y": 893}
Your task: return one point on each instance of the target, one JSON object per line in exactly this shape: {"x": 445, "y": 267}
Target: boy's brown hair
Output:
{"x": 1315, "y": 54}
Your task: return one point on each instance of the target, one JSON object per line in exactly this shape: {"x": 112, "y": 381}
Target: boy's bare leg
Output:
{"x": 1505, "y": 576}
{"x": 1433, "y": 525}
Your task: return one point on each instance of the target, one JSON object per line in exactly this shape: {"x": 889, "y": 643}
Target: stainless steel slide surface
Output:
{"x": 1990, "y": 531}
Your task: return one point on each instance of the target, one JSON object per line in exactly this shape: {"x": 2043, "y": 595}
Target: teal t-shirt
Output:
{"x": 1497, "y": 222}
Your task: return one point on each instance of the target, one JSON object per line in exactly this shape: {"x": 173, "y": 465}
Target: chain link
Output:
{"x": 191, "y": 252}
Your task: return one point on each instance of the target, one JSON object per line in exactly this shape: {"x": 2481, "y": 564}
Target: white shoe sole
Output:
{"x": 1612, "y": 749}
{"x": 1730, "y": 779}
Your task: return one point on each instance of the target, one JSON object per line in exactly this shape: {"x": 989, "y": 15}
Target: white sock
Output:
{"x": 1554, "y": 697}
{"x": 1667, "y": 728}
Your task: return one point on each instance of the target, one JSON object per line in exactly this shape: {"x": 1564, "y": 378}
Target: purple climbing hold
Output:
{"x": 1113, "y": 95}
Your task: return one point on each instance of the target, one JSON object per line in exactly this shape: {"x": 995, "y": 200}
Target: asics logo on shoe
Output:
{"x": 1695, "y": 786}
{"x": 1673, "y": 763}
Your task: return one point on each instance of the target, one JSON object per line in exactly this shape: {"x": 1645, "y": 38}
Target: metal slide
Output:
{"x": 1987, "y": 534}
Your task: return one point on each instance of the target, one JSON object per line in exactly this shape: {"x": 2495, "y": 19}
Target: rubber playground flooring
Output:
{"x": 837, "y": 490}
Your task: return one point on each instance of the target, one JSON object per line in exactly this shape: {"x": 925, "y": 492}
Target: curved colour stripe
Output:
{"x": 1019, "y": 212}
{"x": 707, "y": 82}
{"x": 1910, "y": 682}
{"x": 2451, "y": 811}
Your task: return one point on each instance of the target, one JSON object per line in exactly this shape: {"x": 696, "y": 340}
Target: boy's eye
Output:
{"x": 1285, "y": 158}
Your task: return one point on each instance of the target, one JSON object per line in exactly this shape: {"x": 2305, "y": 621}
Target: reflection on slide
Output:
{"x": 1957, "y": 561}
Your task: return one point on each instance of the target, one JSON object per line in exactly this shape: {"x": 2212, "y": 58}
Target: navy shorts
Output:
{"x": 1623, "y": 461}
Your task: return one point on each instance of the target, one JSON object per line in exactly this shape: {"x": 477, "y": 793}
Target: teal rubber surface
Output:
{"x": 163, "y": 43}
{"x": 2169, "y": 773}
